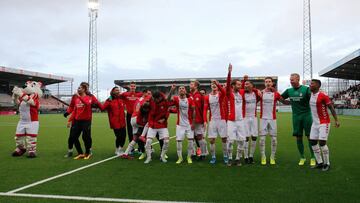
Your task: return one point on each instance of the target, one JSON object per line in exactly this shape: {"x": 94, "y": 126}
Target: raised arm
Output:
{"x": 228, "y": 80}
{"x": 173, "y": 87}
{"x": 84, "y": 101}
{"x": 220, "y": 87}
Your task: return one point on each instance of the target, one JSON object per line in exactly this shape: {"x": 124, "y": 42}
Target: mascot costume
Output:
{"x": 27, "y": 129}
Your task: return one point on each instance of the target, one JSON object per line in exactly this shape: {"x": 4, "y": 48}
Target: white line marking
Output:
{"x": 97, "y": 199}
{"x": 66, "y": 173}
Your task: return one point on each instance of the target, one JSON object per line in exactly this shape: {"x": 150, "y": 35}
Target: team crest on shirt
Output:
{"x": 197, "y": 99}
{"x": 301, "y": 95}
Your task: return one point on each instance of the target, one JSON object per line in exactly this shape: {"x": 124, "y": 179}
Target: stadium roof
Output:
{"x": 21, "y": 76}
{"x": 258, "y": 81}
{"x": 346, "y": 68}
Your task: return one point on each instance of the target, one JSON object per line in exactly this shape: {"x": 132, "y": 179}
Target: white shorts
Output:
{"x": 268, "y": 126}
{"x": 320, "y": 131}
{"x": 163, "y": 133}
{"x": 182, "y": 131}
{"x": 236, "y": 130}
{"x": 251, "y": 126}
{"x": 134, "y": 125}
{"x": 217, "y": 127}
{"x": 27, "y": 128}
{"x": 199, "y": 129}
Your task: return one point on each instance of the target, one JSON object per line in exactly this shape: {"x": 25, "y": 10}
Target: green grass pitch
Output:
{"x": 131, "y": 179}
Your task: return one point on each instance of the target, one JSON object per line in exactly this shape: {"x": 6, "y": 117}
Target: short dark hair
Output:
{"x": 234, "y": 81}
{"x": 145, "y": 90}
{"x": 270, "y": 78}
{"x": 203, "y": 90}
{"x": 132, "y": 83}
{"x": 317, "y": 81}
{"x": 156, "y": 94}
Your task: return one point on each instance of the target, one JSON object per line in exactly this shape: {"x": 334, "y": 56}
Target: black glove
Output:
{"x": 66, "y": 114}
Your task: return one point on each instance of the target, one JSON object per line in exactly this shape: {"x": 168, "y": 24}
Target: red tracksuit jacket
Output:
{"x": 116, "y": 112}
{"x": 82, "y": 107}
{"x": 129, "y": 99}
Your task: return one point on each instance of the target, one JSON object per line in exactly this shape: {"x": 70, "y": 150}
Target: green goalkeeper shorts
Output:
{"x": 301, "y": 123}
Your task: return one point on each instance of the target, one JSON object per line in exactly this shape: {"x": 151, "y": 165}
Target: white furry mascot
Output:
{"x": 27, "y": 129}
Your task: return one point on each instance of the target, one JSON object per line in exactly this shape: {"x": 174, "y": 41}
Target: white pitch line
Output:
{"x": 80, "y": 198}
{"x": 66, "y": 173}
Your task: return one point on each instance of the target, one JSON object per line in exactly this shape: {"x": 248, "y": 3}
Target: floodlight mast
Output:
{"x": 93, "y": 6}
{"x": 307, "y": 46}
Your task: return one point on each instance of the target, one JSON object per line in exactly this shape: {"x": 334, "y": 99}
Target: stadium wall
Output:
{"x": 344, "y": 112}
{"x": 348, "y": 112}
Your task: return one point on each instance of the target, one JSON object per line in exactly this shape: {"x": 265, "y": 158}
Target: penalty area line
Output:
{"x": 66, "y": 173}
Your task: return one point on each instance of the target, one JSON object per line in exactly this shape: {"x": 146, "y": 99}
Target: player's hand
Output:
{"x": 230, "y": 67}
{"x": 66, "y": 114}
{"x": 68, "y": 125}
{"x": 215, "y": 82}
{"x": 337, "y": 124}
{"x": 259, "y": 92}
{"x": 173, "y": 87}
{"x": 161, "y": 120}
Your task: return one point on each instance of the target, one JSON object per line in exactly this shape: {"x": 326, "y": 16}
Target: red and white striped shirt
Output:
{"x": 236, "y": 101}
{"x": 185, "y": 109}
{"x": 268, "y": 104}
{"x": 215, "y": 103}
{"x": 251, "y": 100}
{"x": 318, "y": 104}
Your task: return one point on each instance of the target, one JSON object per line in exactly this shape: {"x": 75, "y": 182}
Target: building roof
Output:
{"x": 21, "y": 76}
{"x": 346, "y": 68}
{"x": 204, "y": 82}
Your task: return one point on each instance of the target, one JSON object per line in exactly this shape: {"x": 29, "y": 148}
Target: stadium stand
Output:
{"x": 5, "y": 100}
{"x": 10, "y": 77}
{"x": 348, "y": 98}
{"x": 348, "y": 69}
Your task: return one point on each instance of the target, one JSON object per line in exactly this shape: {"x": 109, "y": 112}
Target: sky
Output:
{"x": 142, "y": 39}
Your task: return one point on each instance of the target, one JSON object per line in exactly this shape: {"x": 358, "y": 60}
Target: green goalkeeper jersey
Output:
{"x": 299, "y": 99}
